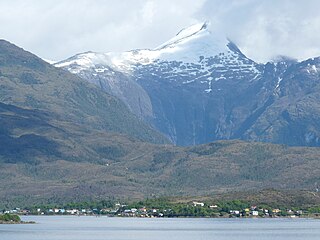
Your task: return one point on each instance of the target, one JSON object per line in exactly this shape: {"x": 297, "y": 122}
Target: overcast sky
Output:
{"x": 57, "y": 29}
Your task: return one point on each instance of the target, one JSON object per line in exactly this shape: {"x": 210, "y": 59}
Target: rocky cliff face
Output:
{"x": 198, "y": 88}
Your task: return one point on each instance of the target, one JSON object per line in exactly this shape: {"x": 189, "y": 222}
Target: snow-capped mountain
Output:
{"x": 194, "y": 54}
{"x": 199, "y": 87}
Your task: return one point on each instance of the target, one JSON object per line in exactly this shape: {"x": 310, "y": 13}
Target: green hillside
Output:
{"x": 136, "y": 170}
{"x": 44, "y": 109}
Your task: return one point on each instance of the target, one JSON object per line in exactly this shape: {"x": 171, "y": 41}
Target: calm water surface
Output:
{"x": 98, "y": 228}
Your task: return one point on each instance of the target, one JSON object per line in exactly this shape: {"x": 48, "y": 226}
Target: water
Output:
{"x": 98, "y": 228}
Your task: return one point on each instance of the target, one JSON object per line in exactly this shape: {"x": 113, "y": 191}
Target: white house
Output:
{"x": 201, "y": 204}
{"x": 255, "y": 213}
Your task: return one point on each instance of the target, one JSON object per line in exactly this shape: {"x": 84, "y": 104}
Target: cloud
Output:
{"x": 264, "y": 29}
{"x": 56, "y": 29}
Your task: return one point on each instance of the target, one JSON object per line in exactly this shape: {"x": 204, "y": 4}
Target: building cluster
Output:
{"x": 142, "y": 212}
{"x": 119, "y": 210}
{"x": 18, "y": 211}
{"x": 125, "y": 211}
{"x": 52, "y": 211}
{"x": 254, "y": 211}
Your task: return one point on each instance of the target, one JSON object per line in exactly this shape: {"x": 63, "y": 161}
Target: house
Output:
{"x": 289, "y": 211}
{"x": 213, "y": 206}
{"x": 235, "y": 212}
{"x": 133, "y": 210}
{"x": 254, "y": 213}
{"x": 201, "y": 204}
{"x": 276, "y": 210}
{"x": 143, "y": 209}
{"x": 72, "y": 211}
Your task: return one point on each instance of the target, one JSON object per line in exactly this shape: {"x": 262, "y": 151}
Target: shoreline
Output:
{"x": 21, "y": 222}
{"x": 179, "y": 217}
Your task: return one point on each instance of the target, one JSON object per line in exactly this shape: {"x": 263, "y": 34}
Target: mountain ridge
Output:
{"x": 202, "y": 89}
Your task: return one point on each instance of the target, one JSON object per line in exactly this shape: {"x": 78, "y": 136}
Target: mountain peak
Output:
{"x": 193, "y": 29}
{"x": 193, "y": 42}
{"x": 185, "y": 34}
{"x": 188, "y": 45}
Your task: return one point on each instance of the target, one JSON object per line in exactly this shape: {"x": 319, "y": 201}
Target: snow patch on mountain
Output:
{"x": 84, "y": 61}
{"x": 187, "y": 46}
{"x": 184, "y": 34}
{"x": 49, "y": 61}
{"x": 192, "y": 43}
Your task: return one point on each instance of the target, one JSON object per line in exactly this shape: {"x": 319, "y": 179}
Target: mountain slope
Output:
{"x": 199, "y": 87}
{"x": 48, "y": 113}
{"x": 145, "y": 170}
{"x": 293, "y": 117}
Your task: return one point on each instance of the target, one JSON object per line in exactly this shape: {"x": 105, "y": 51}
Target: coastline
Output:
{"x": 12, "y": 222}
{"x": 166, "y": 217}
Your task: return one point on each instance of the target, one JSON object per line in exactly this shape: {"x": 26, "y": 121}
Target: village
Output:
{"x": 191, "y": 209}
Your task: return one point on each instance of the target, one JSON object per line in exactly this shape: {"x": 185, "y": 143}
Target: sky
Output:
{"x": 58, "y": 29}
